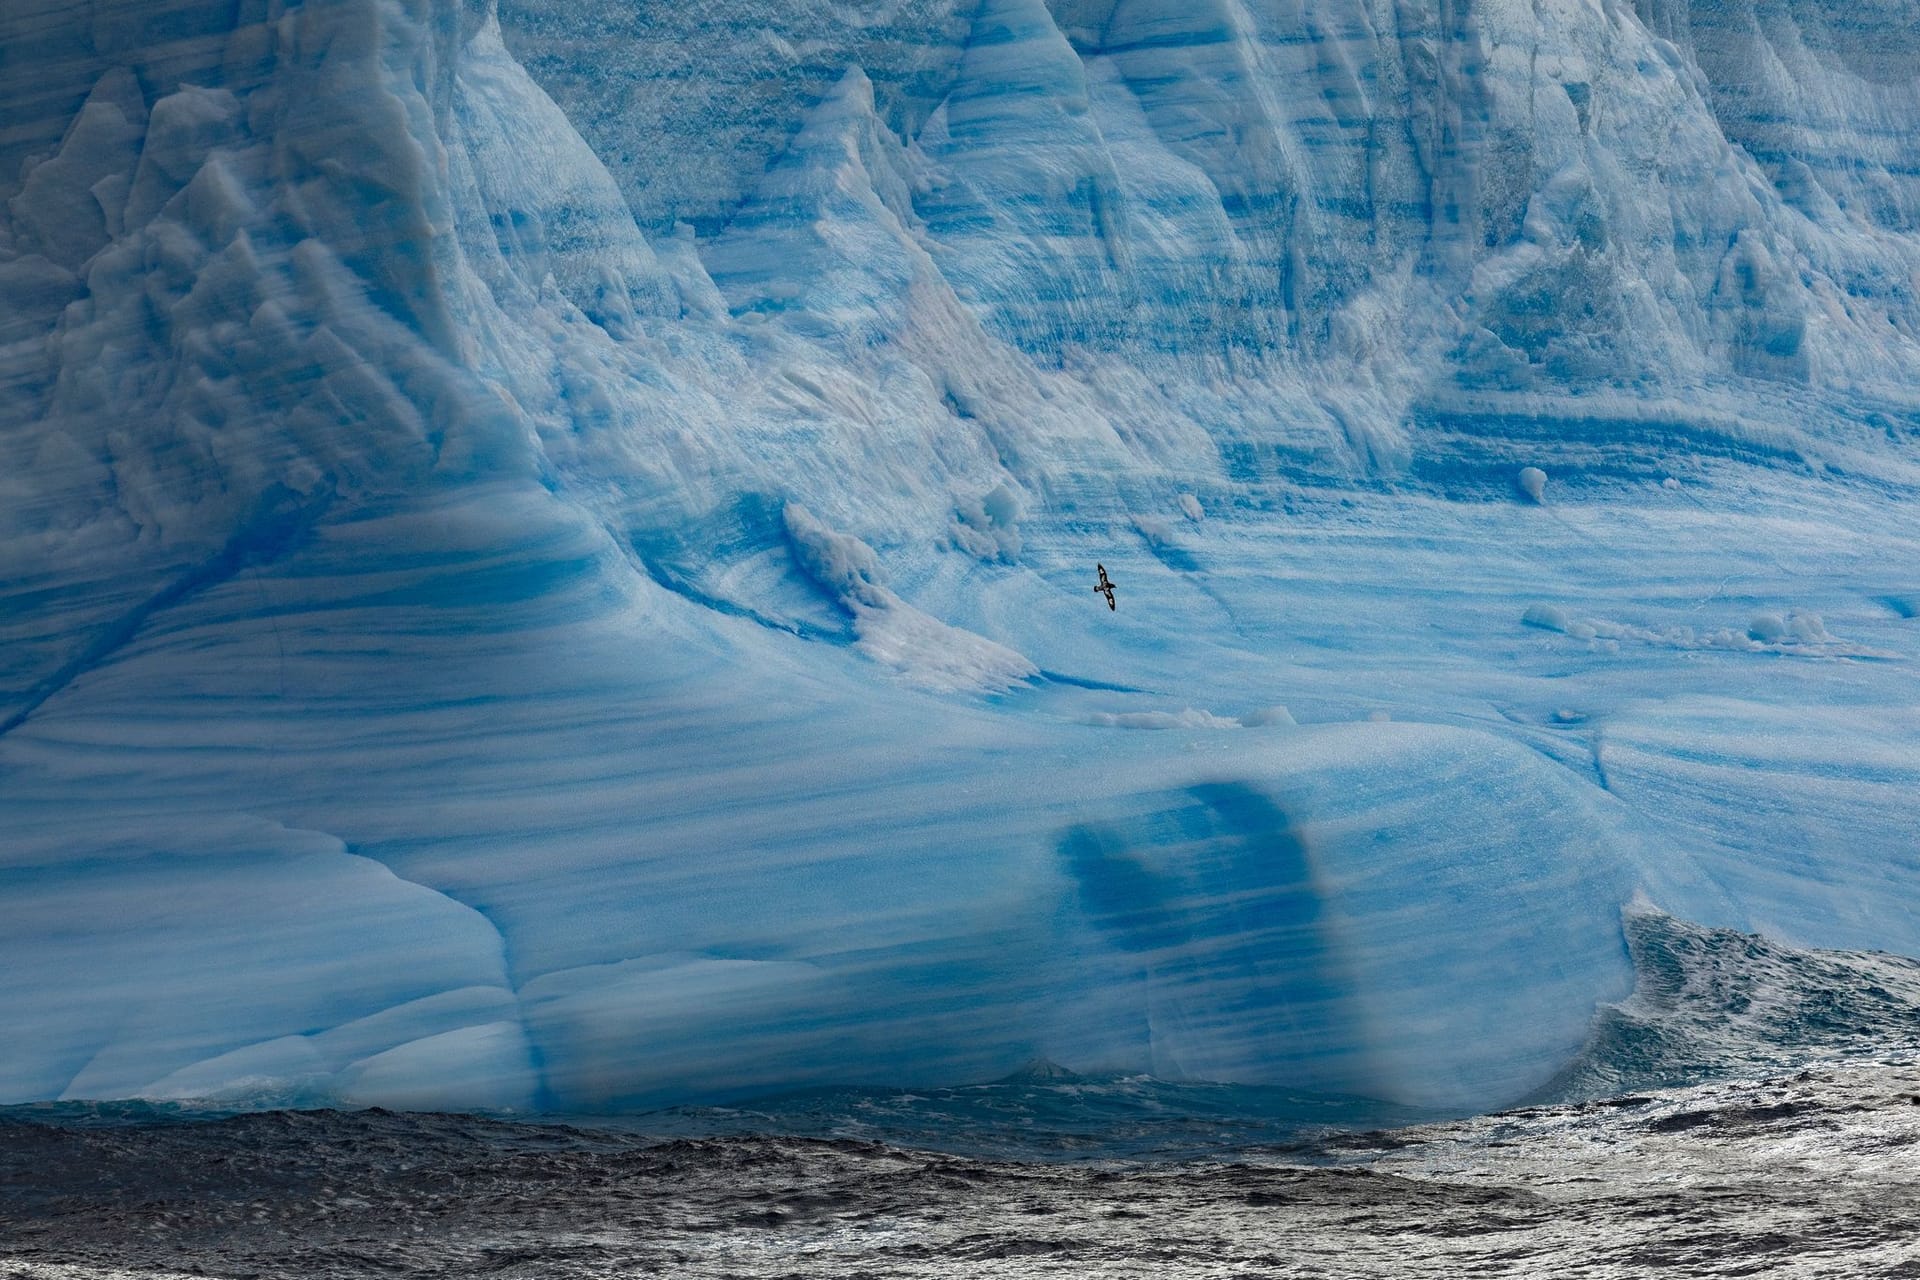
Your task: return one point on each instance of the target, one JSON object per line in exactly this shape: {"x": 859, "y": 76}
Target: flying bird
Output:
{"x": 1104, "y": 585}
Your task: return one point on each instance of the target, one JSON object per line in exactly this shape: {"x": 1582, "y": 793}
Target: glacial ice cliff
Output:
{"x": 545, "y": 555}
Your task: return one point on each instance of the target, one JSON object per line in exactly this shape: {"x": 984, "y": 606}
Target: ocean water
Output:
{"x": 1813, "y": 1174}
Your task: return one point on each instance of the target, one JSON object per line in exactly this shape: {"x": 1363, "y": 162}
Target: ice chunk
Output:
{"x": 843, "y": 566}
{"x": 926, "y": 651}
{"x": 933, "y": 655}
{"x": 69, "y": 206}
{"x": 989, "y": 526}
{"x": 1185, "y": 719}
{"x": 1551, "y": 617}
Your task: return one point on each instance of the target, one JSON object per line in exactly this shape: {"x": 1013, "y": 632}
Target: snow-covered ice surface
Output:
{"x": 1803, "y": 1169}
{"x": 575, "y": 594}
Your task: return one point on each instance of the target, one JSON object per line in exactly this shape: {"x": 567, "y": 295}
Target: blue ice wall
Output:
{"x": 546, "y": 556}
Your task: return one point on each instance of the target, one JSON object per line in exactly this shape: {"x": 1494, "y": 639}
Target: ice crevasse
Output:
{"x": 546, "y": 555}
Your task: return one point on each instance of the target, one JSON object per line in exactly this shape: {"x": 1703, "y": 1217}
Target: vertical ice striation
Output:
{"x": 512, "y": 600}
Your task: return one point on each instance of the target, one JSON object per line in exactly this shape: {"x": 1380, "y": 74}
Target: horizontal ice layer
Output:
{"x": 493, "y": 623}
{"x": 684, "y": 855}
{"x": 1772, "y": 795}
{"x": 689, "y": 899}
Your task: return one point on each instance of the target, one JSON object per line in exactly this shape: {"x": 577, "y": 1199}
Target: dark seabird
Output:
{"x": 1105, "y": 585}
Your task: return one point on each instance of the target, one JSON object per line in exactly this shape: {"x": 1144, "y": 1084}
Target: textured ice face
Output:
{"x": 511, "y": 600}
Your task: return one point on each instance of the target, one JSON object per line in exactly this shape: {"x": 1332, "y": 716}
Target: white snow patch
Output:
{"x": 1793, "y": 627}
{"x": 1186, "y": 719}
{"x": 1156, "y": 531}
{"x": 934, "y": 655}
{"x": 922, "y": 649}
{"x": 843, "y": 566}
{"x": 1795, "y": 631}
{"x": 989, "y": 526}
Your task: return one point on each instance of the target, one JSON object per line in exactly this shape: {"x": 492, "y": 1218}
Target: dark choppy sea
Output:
{"x": 1752, "y": 1110}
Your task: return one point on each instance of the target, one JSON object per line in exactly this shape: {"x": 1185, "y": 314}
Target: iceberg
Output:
{"x": 545, "y": 549}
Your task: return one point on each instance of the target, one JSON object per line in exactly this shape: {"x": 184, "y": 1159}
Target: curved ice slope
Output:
{"x": 497, "y": 621}
{"x": 682, "y": 899}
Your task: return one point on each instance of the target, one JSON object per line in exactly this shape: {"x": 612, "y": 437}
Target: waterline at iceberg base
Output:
{"x": 1048, "y": 1172}
{"x": 546, "y": 556}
